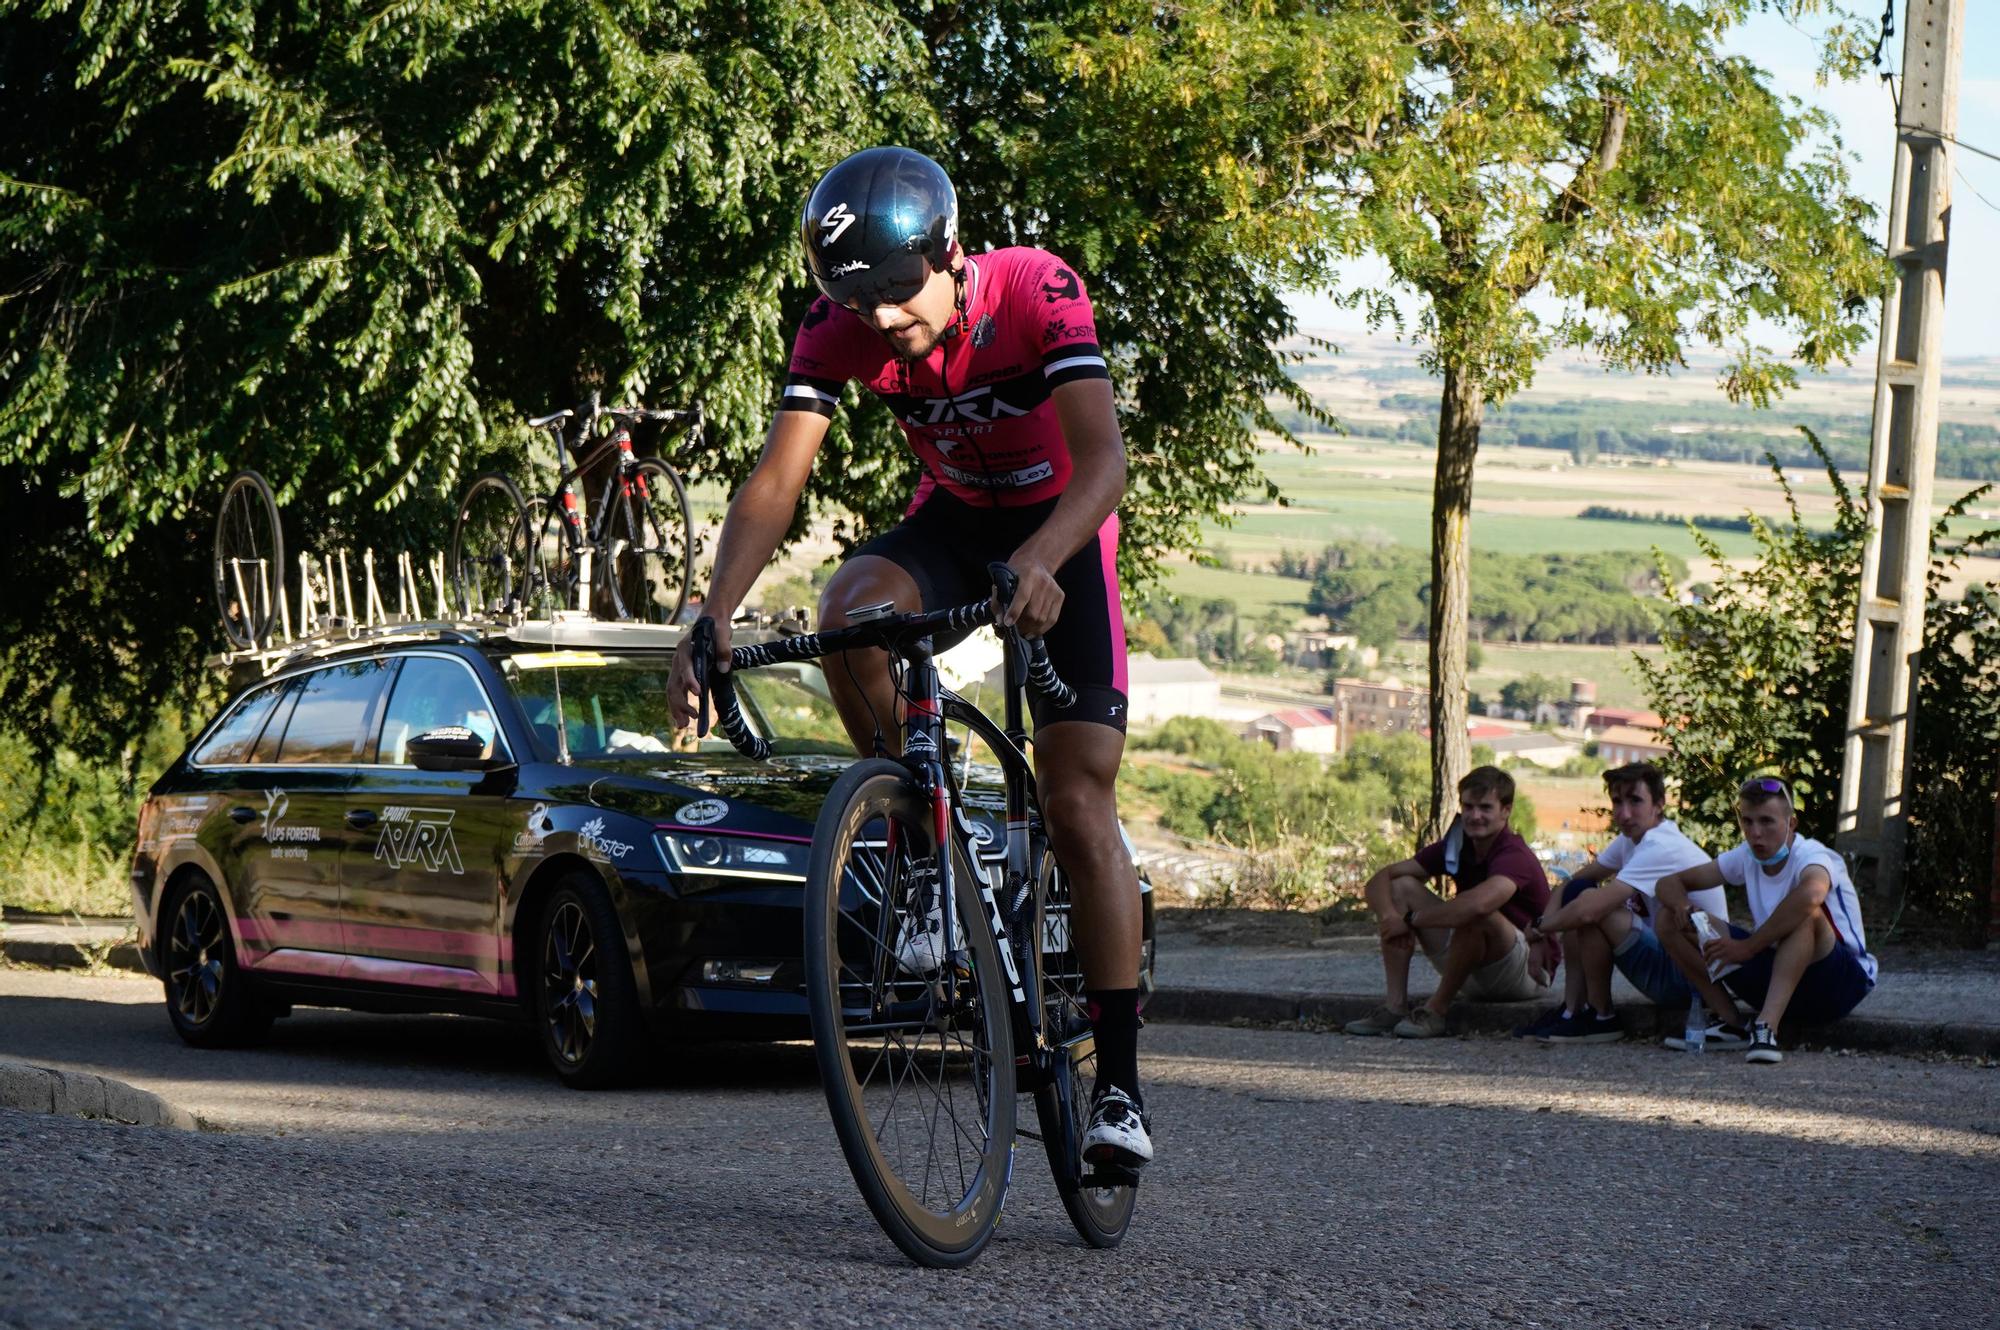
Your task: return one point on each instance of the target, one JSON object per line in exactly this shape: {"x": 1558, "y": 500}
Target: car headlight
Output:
{"x": 706, "y": 854}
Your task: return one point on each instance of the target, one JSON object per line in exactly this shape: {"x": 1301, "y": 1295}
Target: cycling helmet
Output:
{"x": 878, "y": 225}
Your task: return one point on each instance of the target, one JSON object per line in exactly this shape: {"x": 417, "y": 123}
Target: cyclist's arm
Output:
{"x": 758, "y": 518}
{"x": 1089, "y": 418}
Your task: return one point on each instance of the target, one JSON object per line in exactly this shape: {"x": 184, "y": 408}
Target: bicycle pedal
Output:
{"x": 1109, "y": 1177}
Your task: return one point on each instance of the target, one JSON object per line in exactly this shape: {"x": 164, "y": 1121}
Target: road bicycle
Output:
{"x": 249, "y": 559}
{"x": 631, "y": 552}
{"x": 921, "y": 1060}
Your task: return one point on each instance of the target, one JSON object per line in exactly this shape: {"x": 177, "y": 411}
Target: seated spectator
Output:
{"x": 1475, "y": 939}
{"x": 1806, "y": 957}
{"x": 1605, "y": 917}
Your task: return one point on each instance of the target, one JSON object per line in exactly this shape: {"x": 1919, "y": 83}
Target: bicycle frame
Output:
{"x": 585, "y": 538}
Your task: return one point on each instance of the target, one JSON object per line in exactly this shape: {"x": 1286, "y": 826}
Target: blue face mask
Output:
{"x": 1784, "y": 853}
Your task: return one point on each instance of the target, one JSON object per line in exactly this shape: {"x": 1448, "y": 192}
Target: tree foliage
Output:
{"x": 1755, "y": 677}
{"x": 1611, "y": 156}
{"x": 352, "y": 246}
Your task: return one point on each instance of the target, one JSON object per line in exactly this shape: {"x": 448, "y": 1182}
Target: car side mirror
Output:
{"x": 452, "y": 748}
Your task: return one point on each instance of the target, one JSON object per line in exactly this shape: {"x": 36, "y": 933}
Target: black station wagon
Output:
{"x": 495, "y": 824}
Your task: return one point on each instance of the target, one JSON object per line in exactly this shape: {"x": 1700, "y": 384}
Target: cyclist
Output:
{"x": 991, "y": 365}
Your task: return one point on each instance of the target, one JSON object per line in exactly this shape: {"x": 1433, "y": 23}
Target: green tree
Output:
{"x": 350, "y": 246}
{"x": 1610, "y": 155}
{"x": 1755, "y": 677}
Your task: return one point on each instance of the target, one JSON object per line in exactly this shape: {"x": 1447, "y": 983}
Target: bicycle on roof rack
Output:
{"x": 938, "y": 992}
{"x": 632, "y": 551}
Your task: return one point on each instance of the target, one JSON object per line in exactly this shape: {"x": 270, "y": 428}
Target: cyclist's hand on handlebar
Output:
{"x": 1037, "y": 600}
{"x": 681, "y": 686}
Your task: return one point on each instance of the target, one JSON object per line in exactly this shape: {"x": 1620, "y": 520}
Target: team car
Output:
{"x": 499, "y": 823}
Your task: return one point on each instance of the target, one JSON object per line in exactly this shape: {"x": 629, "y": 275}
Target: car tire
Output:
{"x": 210, "y": 1001}
{"x": 586, "y": 1001}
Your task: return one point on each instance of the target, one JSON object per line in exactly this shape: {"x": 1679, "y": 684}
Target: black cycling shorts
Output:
{"x": 945, "y": 545}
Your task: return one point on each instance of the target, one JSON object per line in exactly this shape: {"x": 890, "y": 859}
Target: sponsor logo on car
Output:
{"x": 596, "y": 845}
{"x": 702, "y": 812}
{"x": 528, "y": 842}
{"x": 420, "y": 836}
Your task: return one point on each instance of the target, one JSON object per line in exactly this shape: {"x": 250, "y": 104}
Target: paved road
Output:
{"x": 427, "y": 1172}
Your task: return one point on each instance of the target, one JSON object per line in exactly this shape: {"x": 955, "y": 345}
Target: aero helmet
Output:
{"x": 878, "y": 225}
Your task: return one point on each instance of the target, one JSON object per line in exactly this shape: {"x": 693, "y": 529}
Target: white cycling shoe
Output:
{"x": 1117, "y": 1136}
{"x": 920, "y": 945}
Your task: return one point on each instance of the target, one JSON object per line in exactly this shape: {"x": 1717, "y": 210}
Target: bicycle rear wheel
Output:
{"x": 489, "y": 547}
{"x": 249, "y": 559}
{"x": 918, "y": 1070}
{"x": 649, "y": 544}
{"x": 553, "y": 560}
{"x": 1101, "y": 1214}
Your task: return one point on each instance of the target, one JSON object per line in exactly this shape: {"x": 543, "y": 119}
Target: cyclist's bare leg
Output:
{"x": 859, "y": 680}
{"x": 1076, "y": 768}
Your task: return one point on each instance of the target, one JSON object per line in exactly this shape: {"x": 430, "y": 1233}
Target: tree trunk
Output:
{"x": 1451, "y": 528}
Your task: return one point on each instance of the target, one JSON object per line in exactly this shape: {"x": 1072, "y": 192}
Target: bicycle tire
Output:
{"x": 1101, "y": 1215}
{"x": 242, "y": 561}
{"x": 855, "y": 987}
{"x": 648, "y": 545}
{"x": 489, "y": 546}
{"x": 553, "y": 559}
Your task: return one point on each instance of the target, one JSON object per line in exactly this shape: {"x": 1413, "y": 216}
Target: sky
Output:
{"x": 1866, "y": 122}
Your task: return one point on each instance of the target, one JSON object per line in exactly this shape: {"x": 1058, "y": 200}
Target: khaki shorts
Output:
{"x": 1504, "y": 980}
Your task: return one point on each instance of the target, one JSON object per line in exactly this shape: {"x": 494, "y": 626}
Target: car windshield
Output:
{"x": 616, "y": 705}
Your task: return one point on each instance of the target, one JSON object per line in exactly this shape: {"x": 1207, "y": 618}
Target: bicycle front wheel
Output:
{"x": 1101, "y": 1214}
{"x": 649, "y": 544}
{"x": 489, "y": 547}
{"x": 249, "y": 559}
{"x": 917, "y": 1059}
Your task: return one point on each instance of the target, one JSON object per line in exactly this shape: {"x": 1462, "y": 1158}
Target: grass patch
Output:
{"x": 45, "y": 877}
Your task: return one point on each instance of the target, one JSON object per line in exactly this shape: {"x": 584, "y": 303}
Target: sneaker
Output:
{"x": 1543, "y": 1023}
{"x": 1118, "y": 1134}
{"x": 1421, "y": 1023}
{"x": 1382, "y": 1020}
{"x": 920, "y": 946}
{"x": 1722, "y": 1035}
{"x": 1763, "y": 1044}
{"x": 1586, "y": 1027}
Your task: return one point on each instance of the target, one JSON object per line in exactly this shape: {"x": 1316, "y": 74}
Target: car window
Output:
{"x": 616, "y": 706}
{"x": 331, "y": 715}
{"x": 274, "y": 732}
{"x": 429, "y": 692}
{"x": 232, "y": 739}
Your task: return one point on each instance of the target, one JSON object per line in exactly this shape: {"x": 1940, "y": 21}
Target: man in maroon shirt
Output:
{"x": 1477, "y": 939}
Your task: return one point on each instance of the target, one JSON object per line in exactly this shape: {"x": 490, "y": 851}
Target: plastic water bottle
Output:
{"x": 1697, "y": 1029}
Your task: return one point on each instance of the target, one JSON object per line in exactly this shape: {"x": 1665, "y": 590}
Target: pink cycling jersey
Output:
{"x": 977, "y": 410}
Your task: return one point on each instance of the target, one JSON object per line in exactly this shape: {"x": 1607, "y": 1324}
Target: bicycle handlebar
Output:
{"x": 1042, "y": 678}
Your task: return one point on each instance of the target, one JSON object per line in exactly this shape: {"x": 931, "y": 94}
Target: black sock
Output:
{"x": 1114, "y": 1020}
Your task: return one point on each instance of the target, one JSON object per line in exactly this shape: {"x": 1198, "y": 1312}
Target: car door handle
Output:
{"x": 242, "y": 813}
{"x": 361, "y": 818}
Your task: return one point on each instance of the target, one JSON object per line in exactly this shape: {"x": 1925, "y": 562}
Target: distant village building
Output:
{"x": 1300, "y": 729}
{"x": 1313, "y": 649}
{"x": 1361, "y": 707}
{"x": 1608, "y": 718}
{"x": 1158, "y": 690}
{"x": 1537, "y": 746}
{"x": 1620, "y": 744}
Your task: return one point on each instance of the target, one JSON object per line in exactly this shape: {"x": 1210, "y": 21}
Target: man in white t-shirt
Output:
{"x": 1605, "y": 914}
{"x": 1807, "y": 955}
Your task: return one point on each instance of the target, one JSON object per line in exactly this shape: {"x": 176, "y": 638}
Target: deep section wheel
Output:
{"x": 209, "y": 1001}
{"x": 916, "y": 1058}
{"x": 1101, "y": 1214}
{"x": 490, "y": 547}
{"x": 249, "y": 559}
{"x": 649, "y": 544}
{"x": 586, "y": 1003}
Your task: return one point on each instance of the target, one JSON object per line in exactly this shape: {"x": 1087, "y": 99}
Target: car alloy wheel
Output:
{"x": 195, "y": 970}
{"x": 569, "y": 979}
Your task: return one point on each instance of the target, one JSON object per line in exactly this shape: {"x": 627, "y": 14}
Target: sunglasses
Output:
{"x": 1765, "y": 785}
{"x": 896, "y": 280}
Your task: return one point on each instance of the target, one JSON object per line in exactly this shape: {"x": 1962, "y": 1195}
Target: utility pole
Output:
{"x": 1902, "y": 454}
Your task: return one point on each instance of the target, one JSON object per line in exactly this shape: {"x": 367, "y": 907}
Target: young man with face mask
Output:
{"x": 1605, "y": 916}
{"x": 1806, "y": 956}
